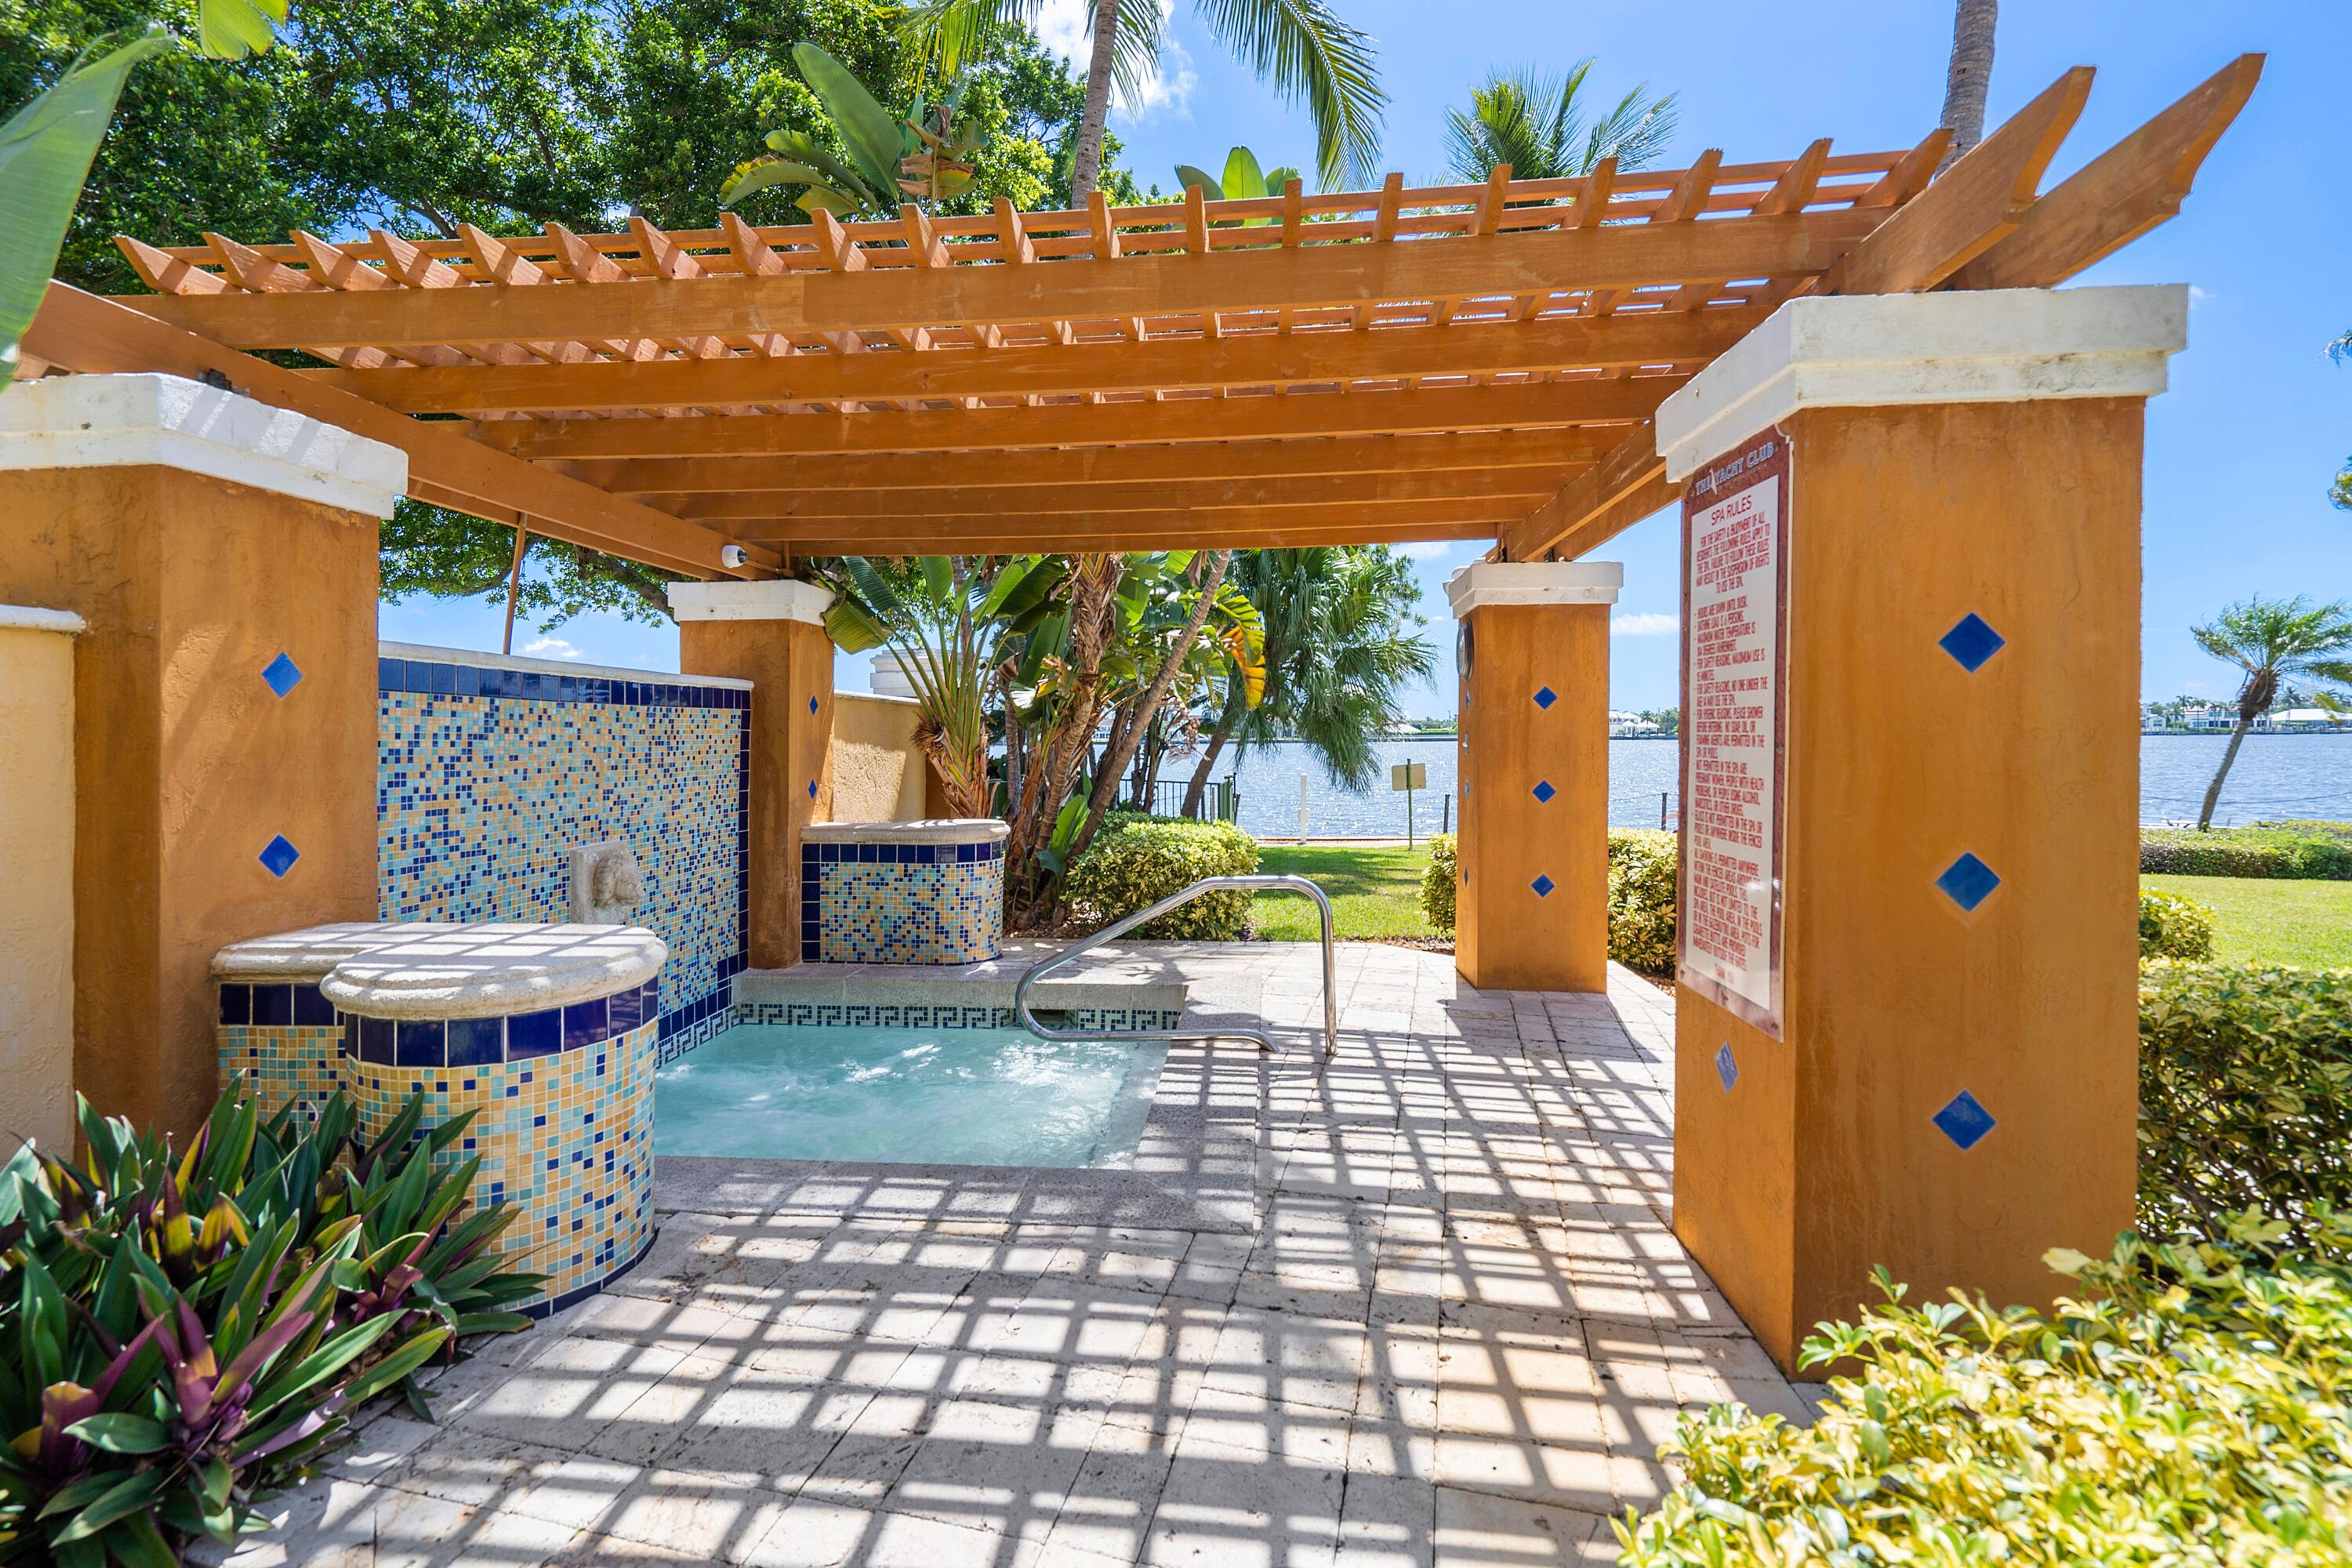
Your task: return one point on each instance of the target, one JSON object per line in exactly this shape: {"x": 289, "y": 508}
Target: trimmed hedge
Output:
{"x": 2171, "y": 926}
{"x": 1438, "y": 881}
{"x": 1642, "y": 899}
{"x": 1145, "y": 859}
{"x": 2187, "y": 1409}
{"x": 2308, "y": 850}
{"x": 1641, "y": 896}
{"x": 2245, "y": 1095}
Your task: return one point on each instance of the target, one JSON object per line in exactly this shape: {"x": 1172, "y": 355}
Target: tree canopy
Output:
{"x": 416, "y": 115}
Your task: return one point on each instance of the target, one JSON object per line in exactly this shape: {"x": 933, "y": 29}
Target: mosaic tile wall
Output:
{"x": 485, "y": 777}
{"x": 902, "y": 903}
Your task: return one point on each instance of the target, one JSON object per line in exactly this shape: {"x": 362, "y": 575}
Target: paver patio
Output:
{"x": 1456, "y": 1337}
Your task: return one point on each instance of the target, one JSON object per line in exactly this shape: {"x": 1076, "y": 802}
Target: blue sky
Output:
{"x": 2239, "y": 452}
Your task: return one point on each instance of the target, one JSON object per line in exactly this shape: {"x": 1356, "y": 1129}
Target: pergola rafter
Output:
{"x": 1447, "y": 362}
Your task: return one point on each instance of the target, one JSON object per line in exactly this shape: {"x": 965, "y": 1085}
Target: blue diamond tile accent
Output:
{"x": 812, "y": 789}
{"x": 1544, "y": 792}
{"x": 1543, "y": 887}
{"x": 1964, "y": 1120}
{"x": 1968, "y": 881}
{"x": 1725, "y": 1067}
{"x": 1971, "y": 642}
{"x": 1547, "y": 697}
{"x": 282, "y": 674}
{"x": 812, "y": 704}
{"x": 280, "y": 856}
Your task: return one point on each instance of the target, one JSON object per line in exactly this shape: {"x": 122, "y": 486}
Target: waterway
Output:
{"x": 2275, "y": 776}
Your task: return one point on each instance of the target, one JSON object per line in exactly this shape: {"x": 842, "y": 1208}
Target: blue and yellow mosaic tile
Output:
{"x": 902, "y": 903}
{"x": 566, "y": 1138}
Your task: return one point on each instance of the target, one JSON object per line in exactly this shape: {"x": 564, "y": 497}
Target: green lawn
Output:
{"x": 1377, "y": 893}
{"x": 1374, "y": 892}
{"x": 2308, "y": 923}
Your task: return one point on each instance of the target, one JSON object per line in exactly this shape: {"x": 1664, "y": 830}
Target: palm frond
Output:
{"x": 1303, "y": 50}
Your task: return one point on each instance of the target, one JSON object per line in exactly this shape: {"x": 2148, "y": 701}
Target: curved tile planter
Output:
{"x": 546, "y": 1033}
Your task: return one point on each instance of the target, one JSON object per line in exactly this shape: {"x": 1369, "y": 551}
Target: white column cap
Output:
{"x": 1864, "y": 350}
{"x": 779, "y": 599}
{"x": 124, "y": 421}
{"x": 33, "y": 619}
{"x": 1484, "y": 583}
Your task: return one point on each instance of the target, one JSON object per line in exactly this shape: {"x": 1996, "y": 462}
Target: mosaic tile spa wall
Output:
{"x": 489, "y": 773}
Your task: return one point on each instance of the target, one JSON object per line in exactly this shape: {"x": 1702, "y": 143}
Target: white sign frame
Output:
{"x": 1735, "y": 728}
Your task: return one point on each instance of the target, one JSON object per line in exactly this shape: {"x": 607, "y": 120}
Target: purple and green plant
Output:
{"x": 181, "y": 1334}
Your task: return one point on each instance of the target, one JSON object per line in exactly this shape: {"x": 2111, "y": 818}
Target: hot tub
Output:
{"x": 902, "y": 892}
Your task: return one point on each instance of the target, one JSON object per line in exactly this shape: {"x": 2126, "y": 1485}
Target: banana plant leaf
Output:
{"x": 232, "y": 29}
{"x": 873, "y": 135}
{"x": 45, "y": 149}
{"x": 851, "y": 630}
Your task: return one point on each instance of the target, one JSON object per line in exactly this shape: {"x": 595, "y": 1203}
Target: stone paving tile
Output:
{"x": 1455, "y": 1339}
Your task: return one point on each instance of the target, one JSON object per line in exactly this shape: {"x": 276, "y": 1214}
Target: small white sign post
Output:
{"x": 1408, "y": 777}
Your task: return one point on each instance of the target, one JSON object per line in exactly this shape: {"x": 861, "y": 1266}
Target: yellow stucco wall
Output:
{"x": 877, "y": 771}
{"x": 36, "y": 817}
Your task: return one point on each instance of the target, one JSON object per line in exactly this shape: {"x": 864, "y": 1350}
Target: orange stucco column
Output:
{"x": 1532, "y": 902}
{"x": 771, "y": 634}
{"x": 1906, "y": 1018}
{"x": 222, "y": 555}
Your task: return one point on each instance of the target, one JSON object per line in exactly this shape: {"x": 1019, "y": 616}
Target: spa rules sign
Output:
{"x": 1735, "y": 664}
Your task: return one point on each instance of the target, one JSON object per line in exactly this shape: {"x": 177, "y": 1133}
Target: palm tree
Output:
{"x": 1968, "y": 74}
{"x": 1300, "y": 45}
{"x": 1341, "y": 647}
{"x": 1537, "y": 125}
{"x": 2271, "y": 640}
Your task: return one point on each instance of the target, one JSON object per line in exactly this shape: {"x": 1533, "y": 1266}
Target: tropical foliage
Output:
{"x": 2245, "y": 1094}
{"x": 1539, "y": 125}
{"x": 944, "y": 618}
{"x": 2171, "y": 926}
{"x": 1342, "y": 646}
{"x": 2273, "y": 641}
{"x": 181, "y": 1333}
{"x": 1301, "y": 48}
{"x": 923, "y": 156}
{"x": 2183, "y": 1406}
{"x": 1438, "y": 881}
{"x": 1642, "y": 899}
{"x": 1135, "y": 863}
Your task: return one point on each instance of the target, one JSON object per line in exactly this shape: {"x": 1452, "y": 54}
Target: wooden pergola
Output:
{"x": 1445, "y": 363}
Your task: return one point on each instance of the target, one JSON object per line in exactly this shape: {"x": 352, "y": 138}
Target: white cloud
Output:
{"x": 552, "y": 647}
{"x": 2199, "y": 296}
{"x": 1645, "y": 626}
{"x": 1062, "y": 28}
{"x": 1431, "y": 550}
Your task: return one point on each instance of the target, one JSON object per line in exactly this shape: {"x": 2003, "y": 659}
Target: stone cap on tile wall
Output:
{"x": 311, "y": 954}
{"x": 168, "y": 421}
{"x": 490, "y": 970}
{"x": 423, "y": 653}
{"x": 937, "y": 830}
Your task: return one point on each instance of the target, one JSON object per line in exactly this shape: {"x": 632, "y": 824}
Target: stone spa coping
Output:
{"x": 434, "y": 970}
{"x": 935, "y": 830}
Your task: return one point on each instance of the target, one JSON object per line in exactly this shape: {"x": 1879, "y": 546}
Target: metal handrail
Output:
{"x": 1267, "y": 884}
